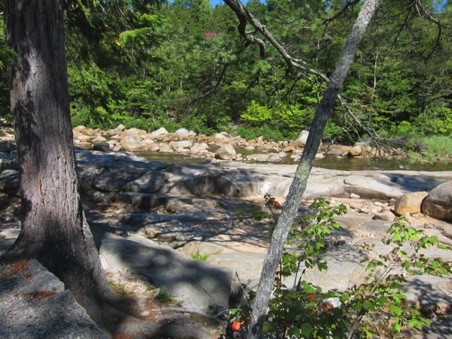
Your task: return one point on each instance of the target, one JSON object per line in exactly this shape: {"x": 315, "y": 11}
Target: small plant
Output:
{"x": 119, "y": 288}
{"x": 255, "y": 212}
{"x": 375, "y": 308}
{"x": 199, "y": 256}
{"x": 381, "y": 300}
{"x": 151, "y": 288}
{"x": 165, "y": 297}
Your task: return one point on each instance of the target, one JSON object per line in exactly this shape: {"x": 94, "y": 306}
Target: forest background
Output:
{"x": 183, "y": 64}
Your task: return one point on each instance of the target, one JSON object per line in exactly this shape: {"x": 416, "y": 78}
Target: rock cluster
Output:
{"x": 205, "y": 208}
{"x": 220, "y": 145}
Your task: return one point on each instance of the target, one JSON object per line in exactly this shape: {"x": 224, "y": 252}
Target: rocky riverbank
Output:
{"x": 149, "y": 218}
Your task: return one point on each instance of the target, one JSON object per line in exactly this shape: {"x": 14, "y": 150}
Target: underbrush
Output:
{"x": 378, "y": 307}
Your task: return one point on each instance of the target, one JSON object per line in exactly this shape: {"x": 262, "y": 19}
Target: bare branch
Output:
{"x": 327, "y": 21}
{"x": 422, "y": 12}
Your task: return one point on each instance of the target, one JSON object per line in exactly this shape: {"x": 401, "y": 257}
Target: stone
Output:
{"x": 338, "y": 150}
{"x": 34, "y": 304}
{"x": 161, "y": 132}
{"x": 303, "y": 137}
{"x": 178, "y": 145}
{"x": 131, "y": 143}
{"x": 355, "y": 151}
{"x": 409, "y": 203}
{"x": 197, "y": 285}
{"x": 258, "y": 157}
{"x": 101, "y": 146}
{"x": 226, "y": 152}
{"x": 182, "y": 132}
{"x": 384, "y": 215}
{"x": 116, "y": 130}
{"x": 438, "y": 203}
{"x": 375, "y": 187}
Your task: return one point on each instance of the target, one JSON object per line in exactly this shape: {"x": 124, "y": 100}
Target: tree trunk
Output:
{"x": 298, "y": 185}
{"x": 54, "y": 228}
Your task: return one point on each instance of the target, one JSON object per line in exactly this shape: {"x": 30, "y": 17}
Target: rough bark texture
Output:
{"x": 54, "y": 228}
{"x": 298, "y": 186}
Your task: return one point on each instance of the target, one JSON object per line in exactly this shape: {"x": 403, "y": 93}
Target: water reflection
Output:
{"x": 331, "y": 162}
{"x": 373, "y": 164}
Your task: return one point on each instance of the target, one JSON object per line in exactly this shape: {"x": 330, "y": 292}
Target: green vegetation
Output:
{"x": 119, "y": 288}
{"x": 199, "y": 256}
{"x": 254, "y": 211}
{"x": 375, "y": 308}
{"x": 165, "y": 297}
{"x": 183, "y": 64}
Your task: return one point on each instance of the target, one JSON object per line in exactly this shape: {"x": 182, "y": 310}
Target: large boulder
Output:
{"x": 372, "y": 187}
{"x": 438, "y": 203}
{"x": 34, "y": 304}
{"x": 226, "y": 152}
{"x": 198, "y": 285}
{"x": 409, "y": 203}
{"x": 303, "y": 137}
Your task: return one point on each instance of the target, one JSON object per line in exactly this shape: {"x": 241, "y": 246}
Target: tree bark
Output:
{"x": 54, "y": 228}
{"x": 298, "y": 185}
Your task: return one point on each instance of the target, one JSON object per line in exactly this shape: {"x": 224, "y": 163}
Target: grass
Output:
{"x": 119, "y": 288}
{"x": 165, "y": 297}
{"x": 199, "y": 256}
{"x": 434, "y": 148}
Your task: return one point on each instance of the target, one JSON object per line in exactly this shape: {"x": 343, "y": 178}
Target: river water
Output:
{"x": 330, "y": 162}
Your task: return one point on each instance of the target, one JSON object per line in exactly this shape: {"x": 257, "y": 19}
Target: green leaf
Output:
{"x": 307, "y": 330}
{"x": 368, "y": 305}
{"x": 395, "y": 309}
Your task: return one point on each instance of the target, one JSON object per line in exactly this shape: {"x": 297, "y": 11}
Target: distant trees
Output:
{"x": 182, "y": 64}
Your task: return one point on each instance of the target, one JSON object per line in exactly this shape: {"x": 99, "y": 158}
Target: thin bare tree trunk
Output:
{"x": 298, "y": 186}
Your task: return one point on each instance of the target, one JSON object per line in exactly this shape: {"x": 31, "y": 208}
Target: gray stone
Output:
{"x": 197, "y": 285}
{"x": 375, "y": 187}
{"x": 438, "y": 203}
{"x": 303, "y": 137}
{"x": 34, "y": 304}
{"x": 226, "y": 152}
{"x": 131, "y": 143}
{"x": 161, "y": 132}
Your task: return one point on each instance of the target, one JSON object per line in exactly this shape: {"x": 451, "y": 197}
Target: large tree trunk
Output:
{"x": 298, "y": 185}
{"x": 54, "y": 228}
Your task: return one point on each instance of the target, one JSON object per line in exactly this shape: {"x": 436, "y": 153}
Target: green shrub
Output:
{"x": 165, "y": 297}
{"x": 375, "y": 308}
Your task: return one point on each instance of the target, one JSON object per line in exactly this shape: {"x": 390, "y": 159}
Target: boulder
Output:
{"x": 131, "y": 143}
{"x": 226, "y": 152}
{"x": 179, "y": 145}
{"x": 116, "y": 130}
{"x": 338, "y": 150}
{"x": 355, "y": 151}
{"x": 182, "y": 132}
{"x": 372, "y": 187}
{"x": 409, "y": 203}
{"x": 101, "y": 146}
{"x": 303, "y": 137}
{"x": 34, "y": 304}
{"x": 438, "y": 203}
{"x": 196, "y": 284}
{"x": 161, "y": 132}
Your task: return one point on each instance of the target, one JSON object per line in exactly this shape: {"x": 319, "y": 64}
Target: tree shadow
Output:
{"x": 414, "y": 183}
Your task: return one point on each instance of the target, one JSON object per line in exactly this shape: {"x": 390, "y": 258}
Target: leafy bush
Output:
{"x": 371, "y": 309}
{"x": 266, "y": 132}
